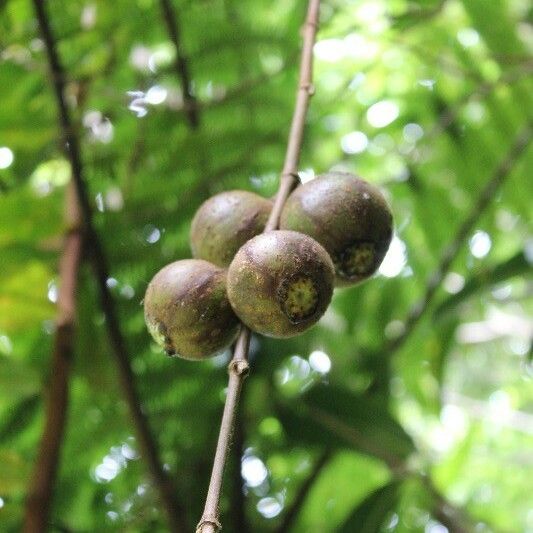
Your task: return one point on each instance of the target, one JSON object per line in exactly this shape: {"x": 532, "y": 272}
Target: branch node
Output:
{"x": 239, "y": 367}
{"x": 209, "y": 520}
{"x": 290, "y": 175}
{"x": 309, "y": 88}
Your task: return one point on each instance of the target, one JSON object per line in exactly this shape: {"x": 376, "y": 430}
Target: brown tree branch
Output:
{"x": 294, "y": 510}
{"x": 449, "y": 254}
{"x": 146, "y": 441}
{"x": 181, "y": 64}
{"x": 41, "y": 487}
{"x": 238, "y": 367}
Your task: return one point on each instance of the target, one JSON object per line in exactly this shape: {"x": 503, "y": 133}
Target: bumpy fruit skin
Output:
{"x": 348, "y": 217}
{"x": 225, "y": 222}
{"x": 280, "y": 283}
{"x": 187, "y": 310}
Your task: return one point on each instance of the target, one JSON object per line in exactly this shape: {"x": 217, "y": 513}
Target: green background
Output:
{"x": 423, "y": 98}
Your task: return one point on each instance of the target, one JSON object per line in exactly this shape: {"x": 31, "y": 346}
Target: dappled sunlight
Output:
{"x": 382, "y": 113}
{"x": 395, "y": 260}
{"x": 480, "y": 244}
{"x": 453, "y": 282}
{"x": 468, "y": 37}
{"x": 151, "y": 59}
{"x": 155, "y": 95}
{"x": 114, "y": 462}
{"x": 253, "y": 471}
{"x": 497, "y": 324}
{"x": 6, "y": 346}
{"x": 49, "y": 175}
{"x": 151, "y": 234}
{"x": 353, "y": 46}
{"x": 101, "y": 127}
{"x": 354, "y": 142}
{"x": 270, "y": 507}
{"x": 412, "y": 132}
{"x": 296, "y": 369}
{"x": 6, "y": 157}
{"x": 320, "y": 361}
{"x": 52, "y": 291}
{"x": 306, "y": 175}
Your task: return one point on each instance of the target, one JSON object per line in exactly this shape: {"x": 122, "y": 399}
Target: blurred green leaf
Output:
{"x": 421, "y": 97}
{"x": 371, "y": 514}
{"x": 487, "y": 277}
{"x": 15, "y": 470}
{"x": 336, "y": 416}
{"x": 19, "y": 417}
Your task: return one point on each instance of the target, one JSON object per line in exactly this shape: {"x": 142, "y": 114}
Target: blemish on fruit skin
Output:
{"x": 357, "y": 260}
{"x": 299, "y": 298}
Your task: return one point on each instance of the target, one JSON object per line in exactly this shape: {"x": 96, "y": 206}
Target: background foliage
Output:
{"x": 422, "y": 97}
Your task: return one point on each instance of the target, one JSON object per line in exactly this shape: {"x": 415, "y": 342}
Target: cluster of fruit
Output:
{"x": 334, "y": 231}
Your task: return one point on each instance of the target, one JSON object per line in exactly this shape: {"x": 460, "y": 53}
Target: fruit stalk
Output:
{"x": 238, "y": 367}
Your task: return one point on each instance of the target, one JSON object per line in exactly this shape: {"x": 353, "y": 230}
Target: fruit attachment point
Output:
{"x": 299, "y": 298}
{"x": 357, "y": 260}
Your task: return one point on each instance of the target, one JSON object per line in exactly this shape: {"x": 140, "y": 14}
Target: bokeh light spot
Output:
{"x": 382, "y": 113}
{"x": 480, "y": 244}
{"x": 6, "y": 157}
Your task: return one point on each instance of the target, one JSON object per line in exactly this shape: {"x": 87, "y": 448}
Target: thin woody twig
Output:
{"x": 41, "y": 487}
{"x": 449, "y": 254}
{"x": 146, "y": 441}
{"x": 238, "y": 367}
{"x": 190, "y": 103}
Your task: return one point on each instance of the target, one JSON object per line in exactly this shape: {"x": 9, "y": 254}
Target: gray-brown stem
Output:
{"x": 238, "y": 367}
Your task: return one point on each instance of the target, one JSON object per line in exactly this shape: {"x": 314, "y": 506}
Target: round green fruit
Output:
{"x": 348, "y": 217}
{"x": 225, "y": 222}
{"x": 280, "y": 283}
{"x": 187, "y": 310}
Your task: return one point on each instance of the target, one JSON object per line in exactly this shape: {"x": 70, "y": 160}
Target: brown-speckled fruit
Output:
{"x": 187, "y": 311}
{"x": 225, "y": 222}
{"x": 280, "y": 283}
{"x": 348, "y": 217}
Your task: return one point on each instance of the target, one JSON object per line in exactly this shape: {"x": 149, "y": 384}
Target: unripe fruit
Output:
{"x": 224, "y": 222}
{"x": 348, "y": 217}
{"x": 187, "y": 310}
{"x": 280, "y": 283}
